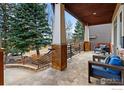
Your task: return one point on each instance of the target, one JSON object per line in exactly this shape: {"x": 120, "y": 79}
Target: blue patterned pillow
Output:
{"x": 107, "y": 59}
{"x": 114, "y": 61}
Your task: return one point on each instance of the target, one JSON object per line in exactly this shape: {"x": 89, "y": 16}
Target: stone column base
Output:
{"x": 1, "y": 68}
{"x": 87, "y": 46}
{"x": 59, "y": 57}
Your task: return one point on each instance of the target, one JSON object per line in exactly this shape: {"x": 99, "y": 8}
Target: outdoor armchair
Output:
{"x": 42, "y": 60}
{"x": 106, "y": 70}
{"x": 102, "y": 48}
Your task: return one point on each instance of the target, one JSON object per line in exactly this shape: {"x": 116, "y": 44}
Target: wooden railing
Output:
{"x": 73, "y": 49}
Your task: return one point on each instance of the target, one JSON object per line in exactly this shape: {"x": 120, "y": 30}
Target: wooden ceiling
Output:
{"x": 92, "y": 13}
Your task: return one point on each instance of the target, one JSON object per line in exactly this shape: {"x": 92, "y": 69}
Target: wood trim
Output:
{"x": 89, "y": 72}
{"x": 121, "y": 68}
{"x": 87, "y": 46}
{"x": 1, "y": 49}
{"x": 1, "y": 68}
{"x": 79, "y": 19}
{"x": 116, "y": 11}
{"x": 90, "y": 63}
{"x": 84, "y": 12}
{"x": 59, "y": 56}
{"x": 98, "y": 57}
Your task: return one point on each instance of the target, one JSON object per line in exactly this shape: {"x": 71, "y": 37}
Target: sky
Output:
{"x": 69, "y": 17}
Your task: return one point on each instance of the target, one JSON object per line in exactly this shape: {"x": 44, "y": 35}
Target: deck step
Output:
{"x": 22, "y": 66}
{"x": 27, "y": 66}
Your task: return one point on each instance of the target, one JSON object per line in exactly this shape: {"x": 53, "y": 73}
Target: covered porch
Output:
{"x": 89, "y": 15}
{"x": 73, "y": 71}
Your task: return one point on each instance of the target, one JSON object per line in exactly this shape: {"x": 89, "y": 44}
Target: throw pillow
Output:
{"x": 117, "y": 62}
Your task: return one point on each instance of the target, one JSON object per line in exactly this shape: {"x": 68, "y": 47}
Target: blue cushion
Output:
{"x": 107, "y": 59}
{"x": 98, "y": 67}
{"x": 115, "y": 56}
{"x": 100, "y": 71}
{"x": 117, "y": 62}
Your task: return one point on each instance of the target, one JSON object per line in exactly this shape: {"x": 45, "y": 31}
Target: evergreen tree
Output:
{"x": 68, "y": 28}
{"x": 30, "y": 27}
{"x": 79, "y": 32}
{"x": 4, "y": 23}
{"x": 5, "y": 16}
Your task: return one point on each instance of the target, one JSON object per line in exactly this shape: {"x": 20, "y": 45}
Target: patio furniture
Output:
{"x": 102, "y": 48}
{"x": 98, "y": 57}
{"x": 112, "y": 69}
{"x": 43, "y": 60}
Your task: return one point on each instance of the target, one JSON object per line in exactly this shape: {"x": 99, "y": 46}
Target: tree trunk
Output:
{"x": 37, "y": 51}
{"x": 6, "y": 58}
{"x": 0, "y": 42}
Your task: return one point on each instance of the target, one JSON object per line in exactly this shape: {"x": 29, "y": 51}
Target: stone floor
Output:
{"x": 75, "y": 74}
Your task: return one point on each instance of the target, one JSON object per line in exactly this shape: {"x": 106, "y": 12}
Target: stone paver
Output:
{"x": 75, "y": 74}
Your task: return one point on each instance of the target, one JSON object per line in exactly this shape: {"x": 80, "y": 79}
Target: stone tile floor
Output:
{"x": 75, "y": 74}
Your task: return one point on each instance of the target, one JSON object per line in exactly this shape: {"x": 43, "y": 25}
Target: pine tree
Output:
{"x": 4, "y": 23}
{"x": 30, "y": 27}
{"x": 5, "y": 16}
{"x": 79, "y": 32}
{"x": 68, "y": 28}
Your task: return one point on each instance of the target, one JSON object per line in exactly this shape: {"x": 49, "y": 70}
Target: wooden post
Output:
{"x": 86, "y": 44}
{"x": 89, "y": 72}
{"x": 1, "y": 68}
{"x": 59, "y": 54}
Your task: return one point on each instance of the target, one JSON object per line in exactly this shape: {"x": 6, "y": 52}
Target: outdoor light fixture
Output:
{"x": 94, "y": 13}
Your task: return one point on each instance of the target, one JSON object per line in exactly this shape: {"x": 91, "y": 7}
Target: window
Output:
{"x": 115, "y": 32}
{"x": 115, "y": 36}
{"x": 120, "y": 28}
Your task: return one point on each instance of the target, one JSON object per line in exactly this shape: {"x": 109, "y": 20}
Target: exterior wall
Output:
{"x": 119, "y": 32}
{"x": 100, "y": 34}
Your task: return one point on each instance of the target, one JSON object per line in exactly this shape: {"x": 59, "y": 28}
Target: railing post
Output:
{"x": 89, "y": 71}
{"x": 122, "y": 77}
{"x": 79, "y": 48}
{"x": 1, "y": 67}
{"x": 70, "y": 50}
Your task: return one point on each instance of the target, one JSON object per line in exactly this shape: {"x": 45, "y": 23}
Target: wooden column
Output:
{"x": 87, "y": 43}
{"x": 59, "y": 54}
{"x": 1, "y": 68}
{"x": 87, "y": 46}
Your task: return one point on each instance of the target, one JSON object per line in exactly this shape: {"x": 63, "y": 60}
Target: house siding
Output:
{"x": 101, "y": 33}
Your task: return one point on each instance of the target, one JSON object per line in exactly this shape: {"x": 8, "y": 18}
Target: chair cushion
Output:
{"x": 114, "y": 61}
{"x": 115, "y": 56}
{"x": 102, "y": 46}
{"x": 100, "y": 71}
{"x": 107, "y": 59}
{"x": 98, "y": 67}
{"x": 97, "y": 49}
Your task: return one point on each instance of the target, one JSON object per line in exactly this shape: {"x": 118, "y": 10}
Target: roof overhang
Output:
{"x": 92, "y": 13}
